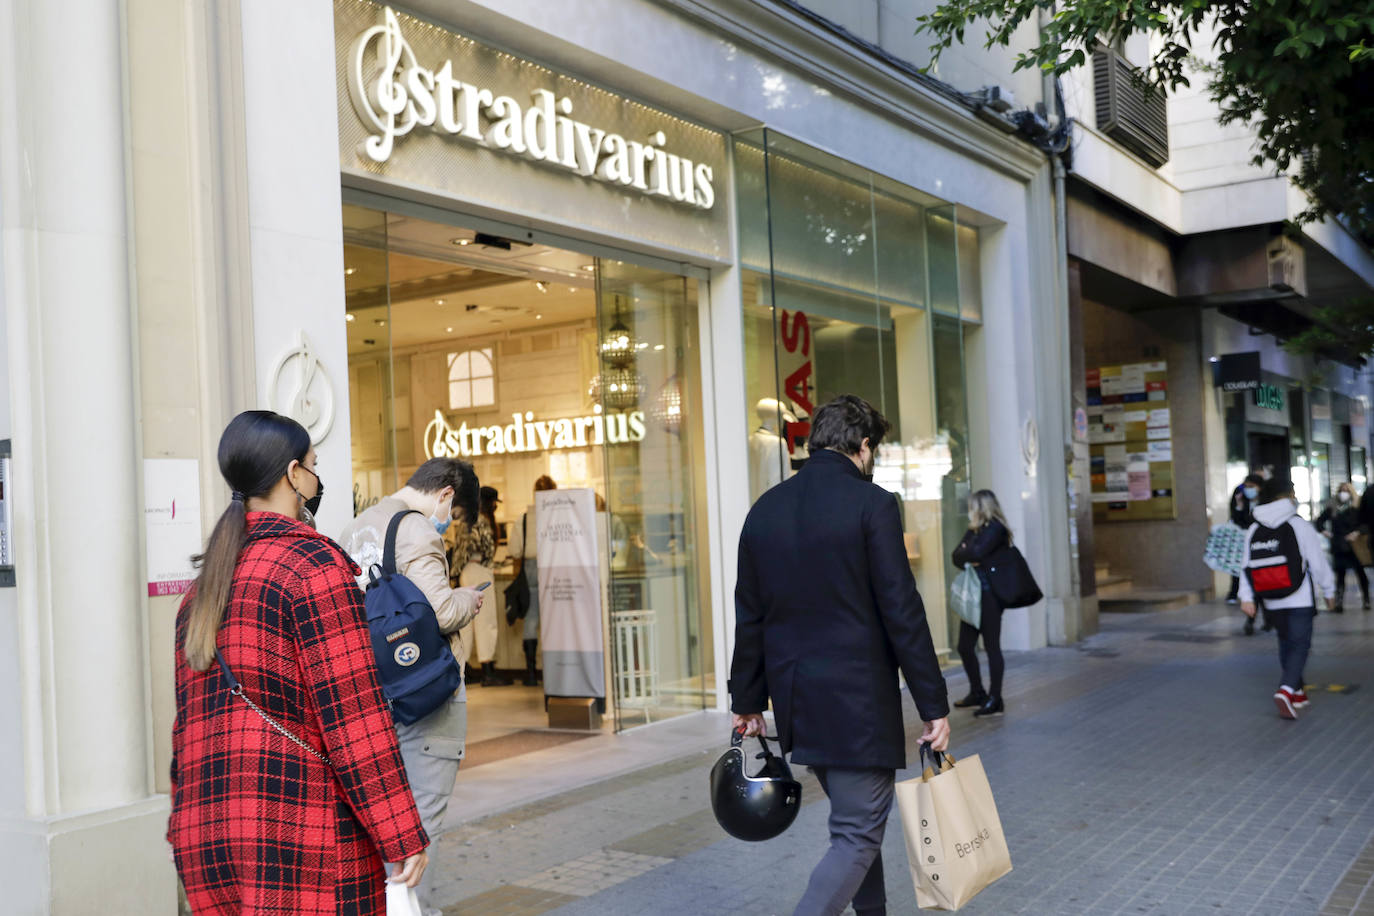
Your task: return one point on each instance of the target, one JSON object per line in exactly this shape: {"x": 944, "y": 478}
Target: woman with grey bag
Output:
{"x": 987, "y": 534}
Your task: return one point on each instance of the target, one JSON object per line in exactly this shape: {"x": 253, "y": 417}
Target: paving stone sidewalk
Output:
{"x": 1144, "y": 771}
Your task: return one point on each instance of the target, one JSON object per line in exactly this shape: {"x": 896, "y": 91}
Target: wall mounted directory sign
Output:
{"x": 429, "y": 110}
{"x": 171, "y": 511}
{"x": 1130, "y": 436}
{"x": 7, "y": 578}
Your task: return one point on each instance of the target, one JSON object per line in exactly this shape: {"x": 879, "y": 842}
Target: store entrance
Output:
{"x": 1268, "y": 453}
{"x": 542, "y": 367}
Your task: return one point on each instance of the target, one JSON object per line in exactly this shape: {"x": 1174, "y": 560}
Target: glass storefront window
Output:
{"x": 855, "y": 285}
{"x": 528, "y": 361}
{"x": 660, "y": 626}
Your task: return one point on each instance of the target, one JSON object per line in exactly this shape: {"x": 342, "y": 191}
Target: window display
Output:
{"x": 533, "y": 362}
{"x": 853, "y": 284}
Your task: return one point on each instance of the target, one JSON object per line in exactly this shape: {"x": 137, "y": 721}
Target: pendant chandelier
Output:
{"x": 619, "y": 385}
{"x": 667, "y": 409}
{"x": 620, "y": 346}
{"x": 618, "y": 389}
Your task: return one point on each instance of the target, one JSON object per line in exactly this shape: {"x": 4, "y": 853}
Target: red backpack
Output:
{"x": 1275, "y": 566}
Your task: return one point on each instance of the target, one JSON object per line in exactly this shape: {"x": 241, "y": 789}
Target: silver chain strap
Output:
{"x": 238, "y": 692}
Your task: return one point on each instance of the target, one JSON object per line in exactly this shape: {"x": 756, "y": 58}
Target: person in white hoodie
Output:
{"x": 1286, "y": 567}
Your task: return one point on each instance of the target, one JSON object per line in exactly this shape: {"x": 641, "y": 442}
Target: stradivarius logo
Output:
{"x": 393, "y": 94}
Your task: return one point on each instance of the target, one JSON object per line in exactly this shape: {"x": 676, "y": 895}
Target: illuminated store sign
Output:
{"x": 394, "y": 93}
{"x": 526, "y": 434}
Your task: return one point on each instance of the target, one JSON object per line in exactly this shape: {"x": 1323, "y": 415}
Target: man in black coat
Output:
{"x": 826, "y": 613}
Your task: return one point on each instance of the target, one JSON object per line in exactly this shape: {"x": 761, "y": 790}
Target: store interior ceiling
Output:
{"x": 410, "y": 282}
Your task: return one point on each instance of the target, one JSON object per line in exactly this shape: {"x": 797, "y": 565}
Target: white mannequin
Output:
{"x": 769, "y": 463}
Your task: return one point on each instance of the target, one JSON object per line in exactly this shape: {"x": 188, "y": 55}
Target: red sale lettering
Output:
{"x": 800, "y": 326}
{"x": 798, "y": 388}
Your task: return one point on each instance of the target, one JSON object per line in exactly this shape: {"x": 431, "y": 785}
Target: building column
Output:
{"x": 84, "y": 833}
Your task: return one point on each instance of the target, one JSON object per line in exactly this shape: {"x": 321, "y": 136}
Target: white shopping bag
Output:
{"x": 401, "y": 900}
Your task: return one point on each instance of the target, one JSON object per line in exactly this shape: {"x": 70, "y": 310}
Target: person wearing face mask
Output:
{"x": 826, "y": 614}
{"x": 438, "y": 490}
{"x": 1242, "y": 508}
{"x": 288, "y": 786}
{"x": 1340, "y": 524}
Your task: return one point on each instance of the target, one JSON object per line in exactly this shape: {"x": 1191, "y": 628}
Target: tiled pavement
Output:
{"x": 1143, "y": 771}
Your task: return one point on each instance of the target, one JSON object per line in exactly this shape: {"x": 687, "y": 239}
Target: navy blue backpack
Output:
{"x": 414, "y": 663}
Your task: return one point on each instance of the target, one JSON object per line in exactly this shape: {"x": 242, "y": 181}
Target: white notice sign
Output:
{"x": 570, "y": 593}
{"x": 171, "y": 514}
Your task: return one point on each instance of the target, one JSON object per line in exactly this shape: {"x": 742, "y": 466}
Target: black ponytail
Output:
{"x": 254, "y": 453}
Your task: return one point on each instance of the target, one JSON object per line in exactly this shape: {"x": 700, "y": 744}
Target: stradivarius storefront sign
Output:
{"x": 526, "y": 434}
{"x": 395, "y": 93}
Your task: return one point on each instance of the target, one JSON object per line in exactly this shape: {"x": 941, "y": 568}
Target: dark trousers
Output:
{"x": 990, "y": 628}
{"x": 1294, "y": 628}
{"x": 1340, "y": 562}
{"x": 852, "y": 869}
{"x": 1235, "y": 588}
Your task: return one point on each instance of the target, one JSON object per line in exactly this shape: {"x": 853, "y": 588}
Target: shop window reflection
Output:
{"x": 883, "y": 280}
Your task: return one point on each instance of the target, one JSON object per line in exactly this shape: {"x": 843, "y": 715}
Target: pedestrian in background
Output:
{"x": 987, "y": 534}
{"x": 433, "y": 747}
{"x": 524, "y": 547}
{"x": 1340, "y": 523}
{"x": 1284, "y": 553}
{"x": 826, "y": 613}
{"x": 1243, "y": 500}
{"x": 470, "y": 564}
{"x": 286, "y": 787}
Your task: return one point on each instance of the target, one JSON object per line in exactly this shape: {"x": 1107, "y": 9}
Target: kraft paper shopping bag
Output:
{"x": 954, "y": 838}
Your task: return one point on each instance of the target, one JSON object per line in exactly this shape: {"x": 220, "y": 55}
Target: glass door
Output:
{"x": 368, "y": 279}
{"x": 649, "y": 391}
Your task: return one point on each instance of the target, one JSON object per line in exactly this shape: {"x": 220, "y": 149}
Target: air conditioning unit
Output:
{"x": 1126, "y": 112}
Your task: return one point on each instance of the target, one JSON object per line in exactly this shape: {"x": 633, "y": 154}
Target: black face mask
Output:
{"x": 312, "y": 505}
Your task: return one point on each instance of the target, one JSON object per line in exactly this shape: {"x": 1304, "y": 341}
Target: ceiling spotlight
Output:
{"x": 350, "y": 271}
{"x": 541, "y": 286}
{"x": 348, "y": 318}
{"x": 449, "y": 330}
{"x": 589, "y": 267}
{"x": 538, "y": 317}
{"x": 658, "y": 346}
{"x": 460, "y": 241}
{"x": 379, "y": 322}
{"x": 438, "y": 302}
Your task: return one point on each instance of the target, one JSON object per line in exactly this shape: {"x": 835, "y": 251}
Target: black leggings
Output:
{"x": 991, "y": 631}
{"x": 1341, "y": 562}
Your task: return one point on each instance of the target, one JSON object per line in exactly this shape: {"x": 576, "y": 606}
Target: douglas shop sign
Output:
{"x": 395, "y": 93}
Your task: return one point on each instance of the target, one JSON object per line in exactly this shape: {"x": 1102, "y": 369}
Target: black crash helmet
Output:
{"x": 757, "y": 807}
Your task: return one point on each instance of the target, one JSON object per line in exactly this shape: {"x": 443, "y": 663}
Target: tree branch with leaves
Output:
{"x": 1300, "y": 72}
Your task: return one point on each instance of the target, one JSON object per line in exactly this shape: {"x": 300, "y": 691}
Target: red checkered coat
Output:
{"x": 258, "y": 825}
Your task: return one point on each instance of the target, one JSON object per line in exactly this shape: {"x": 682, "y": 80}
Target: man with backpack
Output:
{"x": 1285, "y": 567}
{"x": 433, "y": 746}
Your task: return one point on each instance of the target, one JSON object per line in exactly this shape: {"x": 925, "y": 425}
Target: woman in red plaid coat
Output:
{"x": 297, "y": 816}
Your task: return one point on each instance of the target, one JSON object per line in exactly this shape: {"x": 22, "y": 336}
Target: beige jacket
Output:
{"x": 420, "y": 558}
